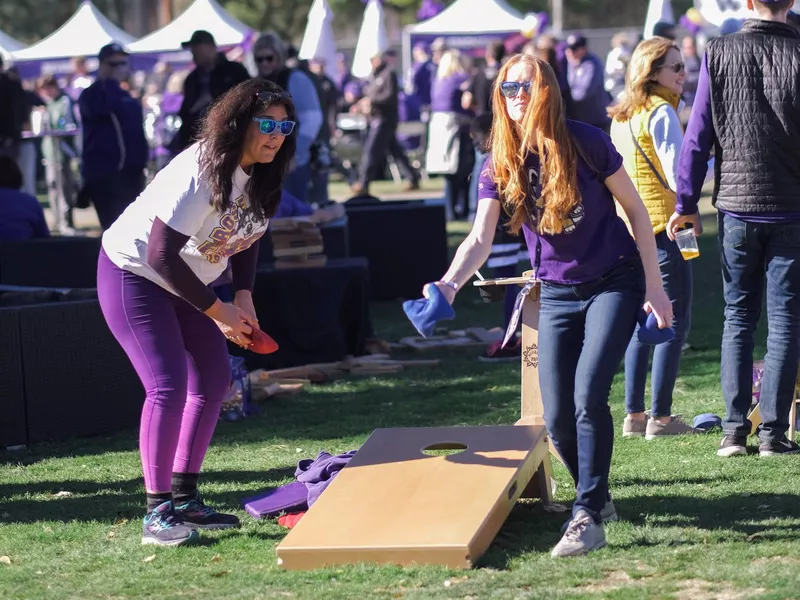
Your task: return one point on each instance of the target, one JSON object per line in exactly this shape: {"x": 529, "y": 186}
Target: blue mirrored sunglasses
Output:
{"x": 268, "y": 126}
{"x": 510, "y": 89}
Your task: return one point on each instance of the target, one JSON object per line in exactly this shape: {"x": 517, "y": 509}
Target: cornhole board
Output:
{"x": 531, "y": 407}
{"x": 395, "y": 504}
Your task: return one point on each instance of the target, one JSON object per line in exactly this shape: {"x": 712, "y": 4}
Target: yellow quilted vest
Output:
{"x": 659, "y": 201}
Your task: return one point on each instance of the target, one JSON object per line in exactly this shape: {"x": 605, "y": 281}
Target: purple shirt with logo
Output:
{"x": 595, "y": 239}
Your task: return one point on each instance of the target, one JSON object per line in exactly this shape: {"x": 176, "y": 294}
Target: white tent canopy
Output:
{"x": 83, "y": 34}
{"x": 9, "y": 45}
{"x": 319, "y": 41}
{"x": 658, "y": 10}
{"x": 202, "y": 14}
{"x": 472, "y": 16}
{"x": 372, "y": 39}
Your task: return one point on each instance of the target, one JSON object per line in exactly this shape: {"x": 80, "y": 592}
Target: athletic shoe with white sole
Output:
{"x": 581, "y": 537}
{"x": 162, "y": 527}
{"x": 778, "y": 447}
{"x": 733, "y": 445}
{"x": 197, "y": 515}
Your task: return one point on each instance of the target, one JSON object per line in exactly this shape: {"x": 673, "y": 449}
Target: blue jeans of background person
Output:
{"x": 583, "y": 333}
{"x": 676, "y": 275}
{"x": 298, "y": 182}
{"x": 750, "y": 254}
{"x": 480, "y": 158}
{"x": 318, "y": 193}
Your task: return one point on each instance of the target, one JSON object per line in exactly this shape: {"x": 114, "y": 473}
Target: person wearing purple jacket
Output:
{"x": 747, "y": 108}
{"x": 586, "y": 79}
{"x": 208, "y": 206}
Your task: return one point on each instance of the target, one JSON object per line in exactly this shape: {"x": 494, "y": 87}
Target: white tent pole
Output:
{"x": 557, "y": 10}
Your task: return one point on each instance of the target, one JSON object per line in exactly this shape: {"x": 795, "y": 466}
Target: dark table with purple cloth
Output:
{"x": 316, "y": 314}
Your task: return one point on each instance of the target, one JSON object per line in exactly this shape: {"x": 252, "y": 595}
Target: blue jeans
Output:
{"x": 676, "y": 275}
{"x": 318, "y": 193}
{"x": 298, "y": 182}
{"x": 480, "y": 158}
{"x": 752, "y": 253}
{"x": 583, "y": 333}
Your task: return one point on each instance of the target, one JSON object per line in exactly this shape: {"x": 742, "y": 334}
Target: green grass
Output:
{"x": 694, "y": 526}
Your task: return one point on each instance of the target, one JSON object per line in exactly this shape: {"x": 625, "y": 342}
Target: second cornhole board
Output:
{"x": 395, "y": 504}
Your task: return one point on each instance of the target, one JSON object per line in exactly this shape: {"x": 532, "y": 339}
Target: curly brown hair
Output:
{"x": 222, "y": 143}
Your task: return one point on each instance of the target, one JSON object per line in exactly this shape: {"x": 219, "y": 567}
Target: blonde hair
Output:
{"x": 451, "y": 63}
{"x": 543, "y": 132}
{"x": 640, "y": 83}
{"x": 175, "y": 82}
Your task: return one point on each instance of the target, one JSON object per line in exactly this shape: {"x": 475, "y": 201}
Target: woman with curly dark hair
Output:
{"x": 210, "y": 204}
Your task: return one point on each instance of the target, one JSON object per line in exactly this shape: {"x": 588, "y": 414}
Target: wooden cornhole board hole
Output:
{"x": 531, "y": 407}
{"x": 395, "y": 504}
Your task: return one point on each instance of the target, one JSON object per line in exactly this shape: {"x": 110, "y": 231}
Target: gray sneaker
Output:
{"x": 677, "y": 426}
{"x": 607, "y": 515}
{"x": 582, "y": 536}
{"x": 631, "y": 428}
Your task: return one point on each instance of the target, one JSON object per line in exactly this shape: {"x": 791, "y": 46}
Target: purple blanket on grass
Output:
{"x": 313, "y": 476}
{"x": 318, "y": 473}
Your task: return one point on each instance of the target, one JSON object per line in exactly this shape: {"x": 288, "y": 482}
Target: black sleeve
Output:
{"x": 240, "y": 73}
{"x": 163, "y": 256}
{"x": 387, "y": 91}
{"x": 244, "y": 266}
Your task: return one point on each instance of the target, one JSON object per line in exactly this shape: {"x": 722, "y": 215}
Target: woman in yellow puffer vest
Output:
{"x": 647, "y": 133}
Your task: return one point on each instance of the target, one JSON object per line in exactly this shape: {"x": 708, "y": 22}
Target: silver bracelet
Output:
{"x": 451, "y": 284}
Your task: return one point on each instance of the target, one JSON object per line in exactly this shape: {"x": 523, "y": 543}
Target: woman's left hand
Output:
{"x": 243, "y": 300}
{"x": 657, "y": 302}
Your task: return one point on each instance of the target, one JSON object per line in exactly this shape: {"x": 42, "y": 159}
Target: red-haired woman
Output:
{"x": 557, "y": 180}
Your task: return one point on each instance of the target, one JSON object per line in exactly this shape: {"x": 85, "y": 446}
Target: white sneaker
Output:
{"x": 582, "y": 536}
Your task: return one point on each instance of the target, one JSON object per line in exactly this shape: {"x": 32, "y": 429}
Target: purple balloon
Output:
{"x": 429, "y": 9}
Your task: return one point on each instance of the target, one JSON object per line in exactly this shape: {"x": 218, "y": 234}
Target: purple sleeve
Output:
{"x": 608, "y": 160}
{"x": 290, "y": 206}
{"x": 244, "y": 266}
{"x": 697, "y": 144}
{"x": 163, "y": 256}
{"x": 486, "y": 185}
{"x": 598, "y": 149}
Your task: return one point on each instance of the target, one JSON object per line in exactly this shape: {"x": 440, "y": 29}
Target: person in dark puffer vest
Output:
{"x": 747, "y": 108}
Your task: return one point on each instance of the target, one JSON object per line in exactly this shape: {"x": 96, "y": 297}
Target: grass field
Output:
{"x": 694, "y": 526}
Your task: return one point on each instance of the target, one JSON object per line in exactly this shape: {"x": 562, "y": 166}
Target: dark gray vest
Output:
{"x": 755, "y": 105}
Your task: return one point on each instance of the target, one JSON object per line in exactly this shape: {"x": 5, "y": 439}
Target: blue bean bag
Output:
{"x": 649, "y": 333}
{"x": 426, "y": 312}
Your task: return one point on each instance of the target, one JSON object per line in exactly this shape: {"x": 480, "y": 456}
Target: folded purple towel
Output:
{"x": 291, "y": 497}
{"x": 317, "y": 474}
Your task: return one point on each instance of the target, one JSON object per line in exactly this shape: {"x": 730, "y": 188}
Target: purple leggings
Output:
{"x": 182, "y": 359}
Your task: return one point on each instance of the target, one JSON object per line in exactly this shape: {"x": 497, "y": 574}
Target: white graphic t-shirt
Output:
{"x": 179, "y": 196}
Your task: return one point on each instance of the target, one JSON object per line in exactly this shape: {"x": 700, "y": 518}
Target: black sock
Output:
{"x": 184, "y": 487}
{"x": 156, "y": 500}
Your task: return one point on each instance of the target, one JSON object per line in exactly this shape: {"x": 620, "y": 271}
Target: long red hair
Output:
{"x": 543, "y": 132}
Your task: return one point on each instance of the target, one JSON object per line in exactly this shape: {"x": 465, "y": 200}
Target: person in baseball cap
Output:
{"x": 213, "y": 76}
{"x": 112, "y": 50}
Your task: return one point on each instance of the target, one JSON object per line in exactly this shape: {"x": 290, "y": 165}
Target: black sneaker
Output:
{"x": 733, "y": 445}
{"x": 197, "y": 515}
{"x": 162, "y": 527}
{"x": 494, "y": 353}
{"x": 776, "y": 447}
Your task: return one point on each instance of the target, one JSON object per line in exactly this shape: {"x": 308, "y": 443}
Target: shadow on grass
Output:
{"x": 751, "y": 518}
{"x": 109, "y": 501}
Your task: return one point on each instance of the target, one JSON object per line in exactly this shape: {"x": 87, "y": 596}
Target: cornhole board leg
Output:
{"x": 531, "y": 407}
{"x": 395, "y": 504}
